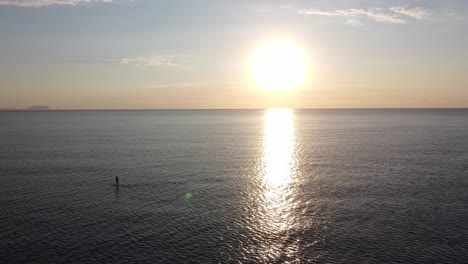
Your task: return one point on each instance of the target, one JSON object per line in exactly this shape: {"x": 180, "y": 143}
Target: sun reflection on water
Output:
{"x": 278, "y": 147}
{"x": 278, "y": 175}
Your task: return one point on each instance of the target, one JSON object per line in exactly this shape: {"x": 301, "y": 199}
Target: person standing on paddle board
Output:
{"x": 116, "y": 181}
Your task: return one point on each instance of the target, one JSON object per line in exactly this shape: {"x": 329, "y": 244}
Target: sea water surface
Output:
{"x": 234, "y": 186}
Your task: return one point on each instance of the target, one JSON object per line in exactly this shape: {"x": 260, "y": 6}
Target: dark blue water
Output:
{"x": 253, "y": 186}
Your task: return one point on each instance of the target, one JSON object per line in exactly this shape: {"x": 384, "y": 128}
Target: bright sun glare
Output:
{"x": 279, "y": 66}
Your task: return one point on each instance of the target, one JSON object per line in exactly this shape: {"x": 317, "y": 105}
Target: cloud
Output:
{"x": 164, "y": 61}
{"x": 40, "y": 3}
{"x": 395, "y": 15}
{"x": 353, "y": 22}
{"x": 414, "y": 12}
{"x": 195, "y": 84}
{"x": 170, "y": 85}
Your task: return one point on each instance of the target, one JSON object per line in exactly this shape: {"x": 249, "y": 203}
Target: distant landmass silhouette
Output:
{"x": 32, "y": 108}
{"x": 38, "y": 107}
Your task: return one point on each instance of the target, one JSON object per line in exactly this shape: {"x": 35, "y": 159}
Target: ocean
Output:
{"x": 234, "y": 186}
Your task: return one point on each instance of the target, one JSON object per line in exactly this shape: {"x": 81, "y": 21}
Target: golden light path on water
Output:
{"x": 278, "y": 178}
{"x": 278, "y": 147}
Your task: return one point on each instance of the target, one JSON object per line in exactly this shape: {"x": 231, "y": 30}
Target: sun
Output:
{"x": 279, "y": 66}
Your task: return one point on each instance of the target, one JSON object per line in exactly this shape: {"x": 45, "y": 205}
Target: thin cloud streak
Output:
{"x": 164, "y": 61}
{"x": 395, "y": 15}
{"x": 414, "y": 12}
{"x": 194, "y": 84}
{"x": 41, "y": 3}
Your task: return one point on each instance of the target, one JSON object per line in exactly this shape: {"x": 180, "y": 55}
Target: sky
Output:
{"x": 152, "y": 54}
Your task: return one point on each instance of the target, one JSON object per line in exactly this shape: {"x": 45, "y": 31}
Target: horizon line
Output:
{"x": 169, "y": 109}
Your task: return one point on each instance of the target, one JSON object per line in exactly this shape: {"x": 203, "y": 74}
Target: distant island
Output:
{"x": 38, "y": 107}
{"x": 31, "y": 108}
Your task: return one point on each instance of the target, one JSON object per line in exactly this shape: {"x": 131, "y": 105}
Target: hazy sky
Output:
{"x": 74, "y": 54}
